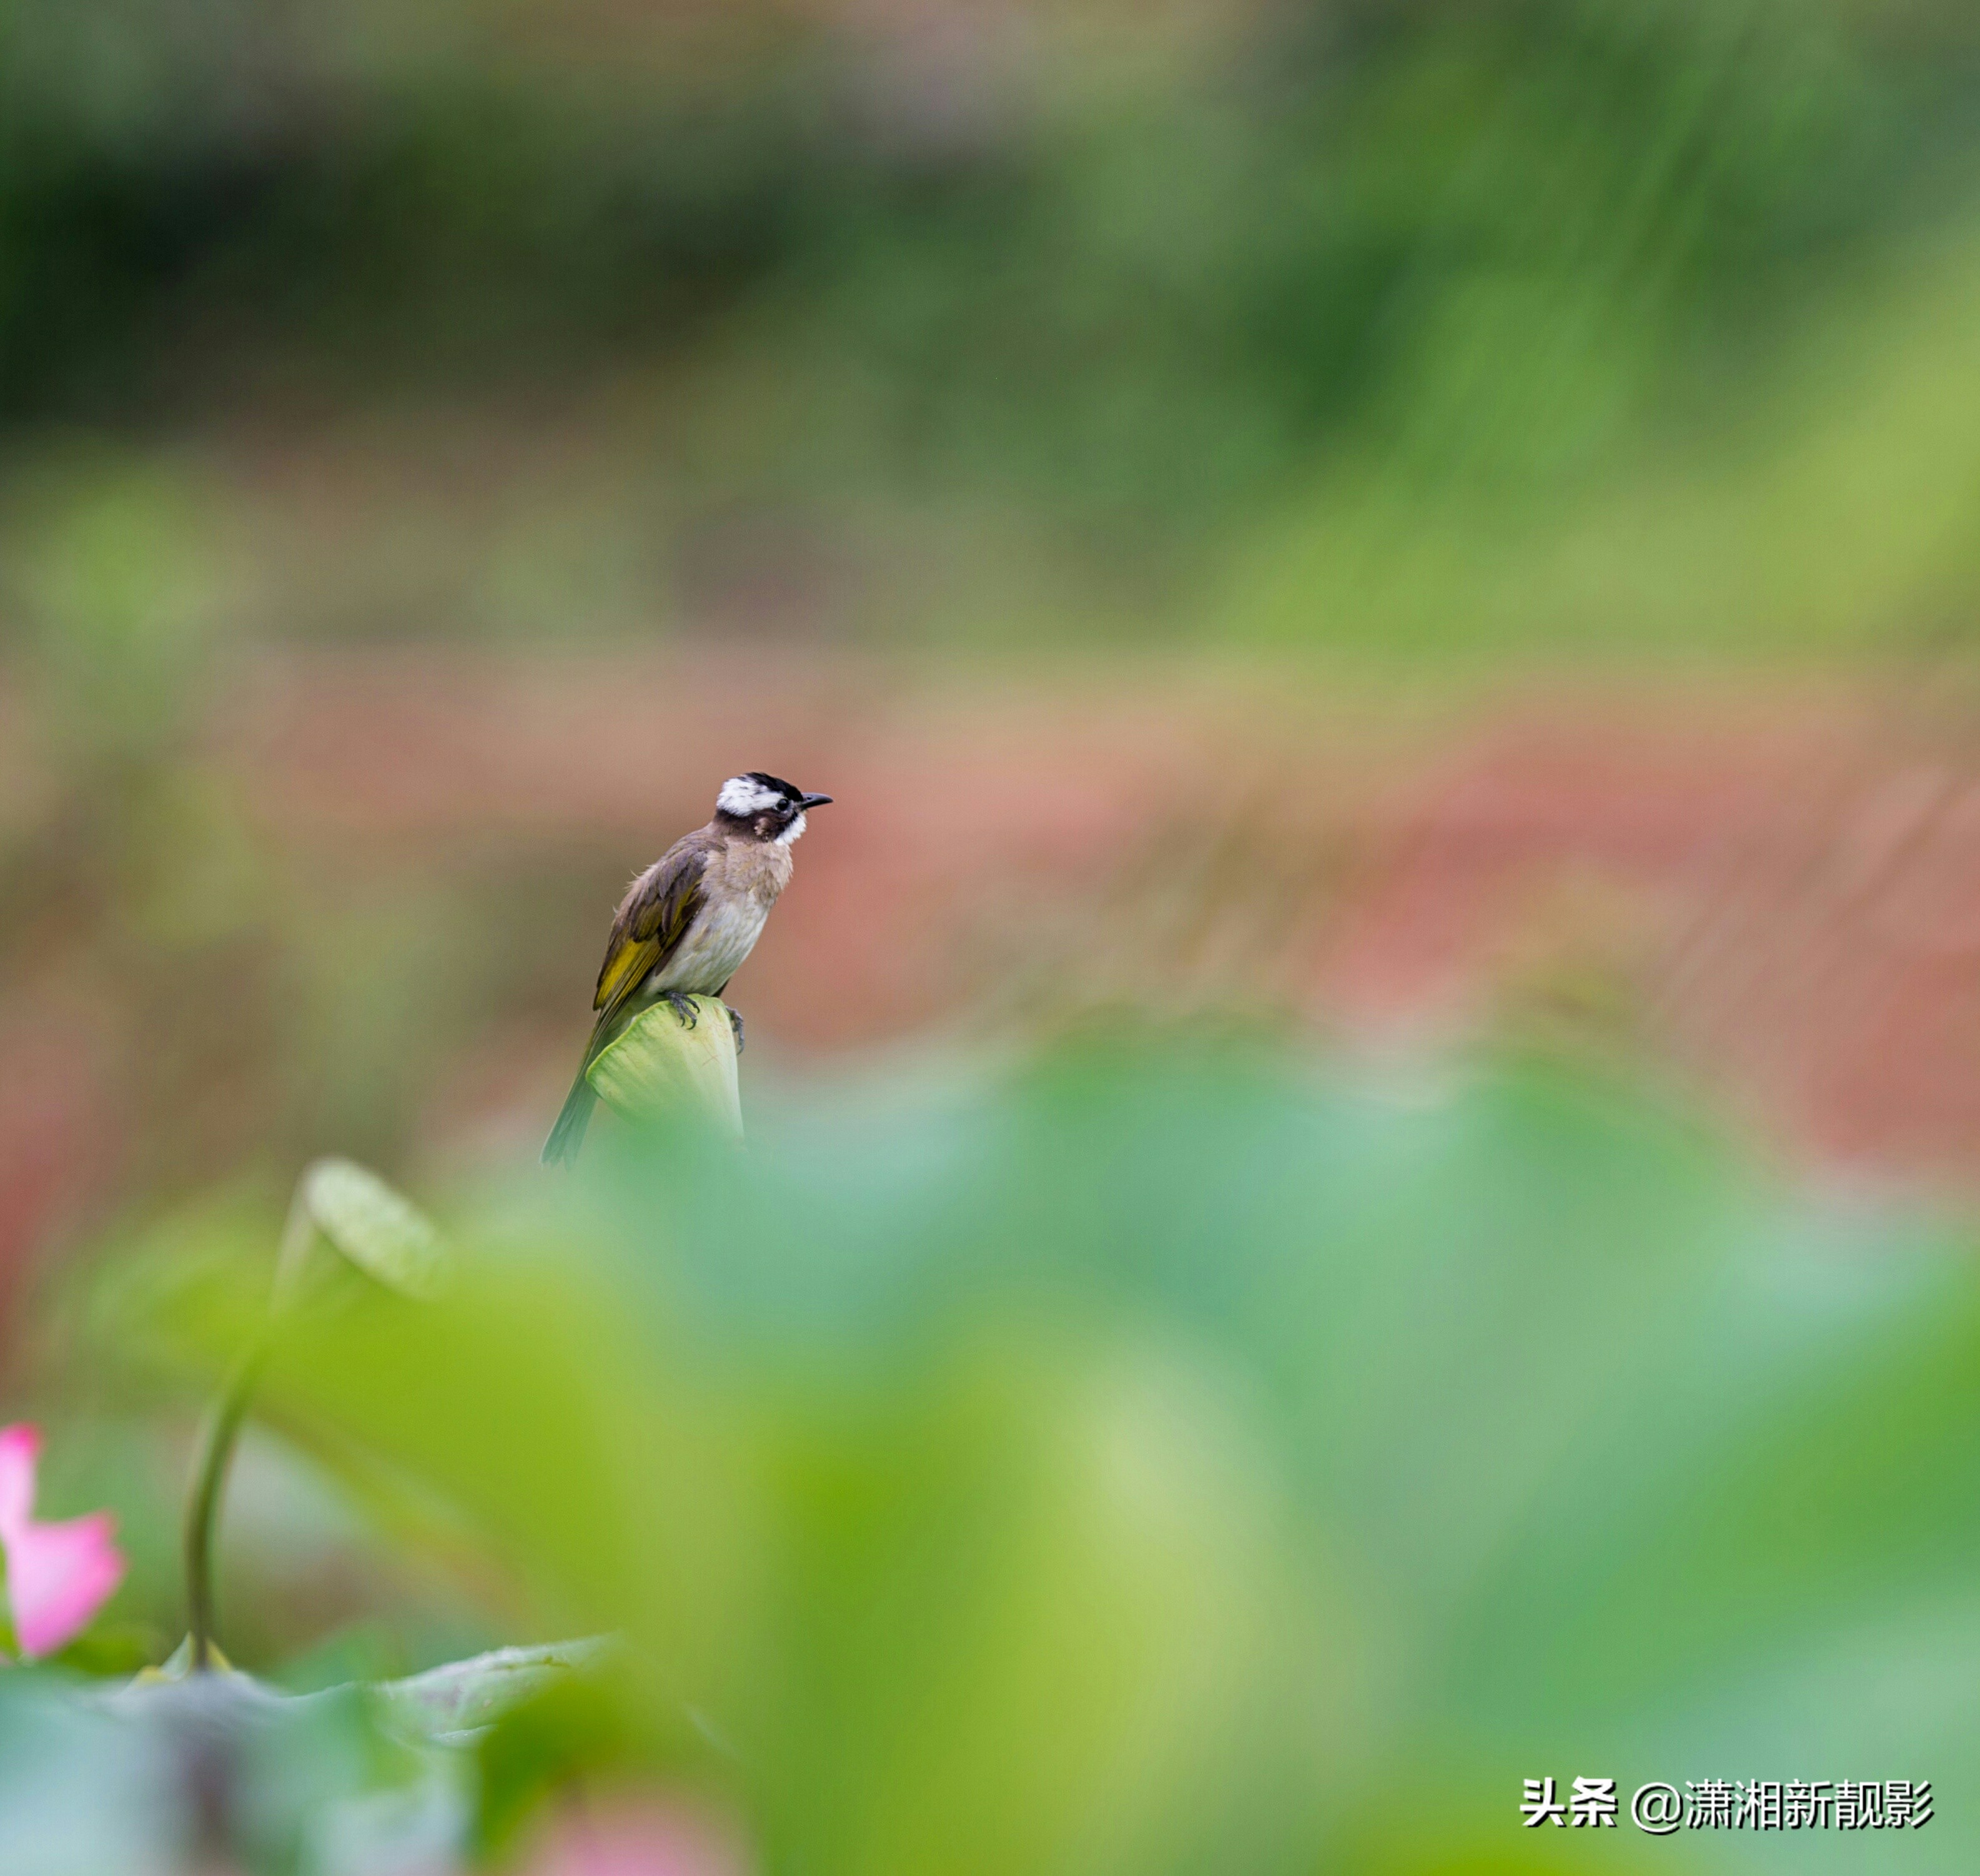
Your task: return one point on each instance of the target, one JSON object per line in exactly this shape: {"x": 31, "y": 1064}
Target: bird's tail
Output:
{"x": 568, "y": 1135}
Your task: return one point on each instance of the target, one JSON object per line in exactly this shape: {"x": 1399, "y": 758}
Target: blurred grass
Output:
{"x": 1543, "y": 324}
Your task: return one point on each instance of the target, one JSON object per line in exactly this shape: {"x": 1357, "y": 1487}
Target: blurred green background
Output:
{"x": 1363, "y": 1112}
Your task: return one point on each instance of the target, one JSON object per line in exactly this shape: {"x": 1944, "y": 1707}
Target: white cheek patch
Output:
{"x": 743, "y": 796}
{"x": 791, "y": 832}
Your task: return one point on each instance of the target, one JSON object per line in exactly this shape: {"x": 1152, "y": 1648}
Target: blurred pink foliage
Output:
{"x": 58, "y": 1575}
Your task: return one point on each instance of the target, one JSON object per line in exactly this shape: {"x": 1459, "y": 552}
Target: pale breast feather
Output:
{"x": 739, "y": 886}
{"x": 714, "y": 948}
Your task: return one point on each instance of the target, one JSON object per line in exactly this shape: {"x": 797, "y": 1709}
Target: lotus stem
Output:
{"x": 222, "y": 1430}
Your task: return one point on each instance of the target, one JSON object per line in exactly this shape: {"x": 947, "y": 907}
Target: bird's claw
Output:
{"x": 736, "y": 1023}
{"x": 682, "y": 1006}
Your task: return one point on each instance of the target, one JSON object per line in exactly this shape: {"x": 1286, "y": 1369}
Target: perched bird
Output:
{"x": 688, "y": 921}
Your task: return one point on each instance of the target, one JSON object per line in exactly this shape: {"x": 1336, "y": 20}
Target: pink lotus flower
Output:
{"x": 58, "y": 1575}
{"x": 657, "y": 1837}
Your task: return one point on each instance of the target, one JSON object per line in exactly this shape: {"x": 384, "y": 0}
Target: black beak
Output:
{"x": 813, "y": 801}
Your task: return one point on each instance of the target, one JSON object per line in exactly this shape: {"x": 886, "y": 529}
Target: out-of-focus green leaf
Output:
{"x": 384, "y": 1233}
{"x": 164, "y": 1777}
{"x": 573, "y": 1732}
{"x": 464, "y": 1694}
{"x": 1175, "y": 1460}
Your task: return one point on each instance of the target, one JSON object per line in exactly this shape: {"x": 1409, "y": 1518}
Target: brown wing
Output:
{"x": 652, "y": 920}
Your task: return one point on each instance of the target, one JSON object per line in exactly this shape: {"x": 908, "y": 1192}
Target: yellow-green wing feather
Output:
{"x": 628, "y": 965}
{"x": 653, "y": 919}
{"x": 651, "y": 923}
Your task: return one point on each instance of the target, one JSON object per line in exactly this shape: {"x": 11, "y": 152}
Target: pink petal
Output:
{"x": 634, "y": 1838}
{"x": 20, "y": 1447}
{"x": 58, "y": 1575}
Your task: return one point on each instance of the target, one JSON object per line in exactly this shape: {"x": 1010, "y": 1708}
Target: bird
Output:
{"x": 688, "y": 921}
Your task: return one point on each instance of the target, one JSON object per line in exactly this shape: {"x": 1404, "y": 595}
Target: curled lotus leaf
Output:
{"x": 380, "y": 1230}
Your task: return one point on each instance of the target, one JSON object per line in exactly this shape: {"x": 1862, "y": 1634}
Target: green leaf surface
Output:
{"x": 1175, "y": 1460}
{"x": 661, "y": 1064}
{"x": 381, "y": 1232}
{"x": 463, "y": 1696}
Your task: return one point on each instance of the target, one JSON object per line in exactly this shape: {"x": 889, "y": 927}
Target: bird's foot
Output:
{"x": 682, "y": 1006}
{"x": 736, "y": 1023}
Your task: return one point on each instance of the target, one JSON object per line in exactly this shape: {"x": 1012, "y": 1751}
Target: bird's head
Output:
{"x": 762, "y": 805}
